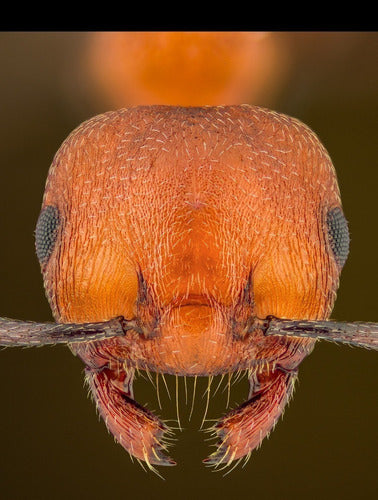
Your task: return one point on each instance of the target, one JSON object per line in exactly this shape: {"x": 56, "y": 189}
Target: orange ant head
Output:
{"x": 191, "y": 241}
{"x": 192, "y": 220}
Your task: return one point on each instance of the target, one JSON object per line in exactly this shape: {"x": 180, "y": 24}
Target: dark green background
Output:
{"x": 53, "y": 445}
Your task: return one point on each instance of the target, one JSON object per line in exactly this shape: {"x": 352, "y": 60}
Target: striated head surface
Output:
{"x": 194, "y": 221}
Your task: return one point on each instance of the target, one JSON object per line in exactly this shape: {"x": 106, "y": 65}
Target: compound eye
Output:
{"x": 338, "y": 235}
{"x": 46, "y": 233}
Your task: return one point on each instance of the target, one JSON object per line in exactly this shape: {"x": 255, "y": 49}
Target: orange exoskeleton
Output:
{"x": 191, "y": 241}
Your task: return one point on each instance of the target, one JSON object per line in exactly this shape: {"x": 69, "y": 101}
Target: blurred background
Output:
{"x": 53, "y": 445}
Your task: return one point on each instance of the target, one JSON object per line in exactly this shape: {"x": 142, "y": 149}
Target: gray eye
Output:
{"x": 338, "y": 235}
{"x": 46, "y": 232}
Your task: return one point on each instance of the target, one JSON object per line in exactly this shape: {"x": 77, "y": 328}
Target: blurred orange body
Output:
{"x": 185, "y": 68}
{"x": 195, "y": 222}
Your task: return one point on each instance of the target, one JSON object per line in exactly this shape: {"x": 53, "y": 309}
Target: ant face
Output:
{"x": 194, "y": 242}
